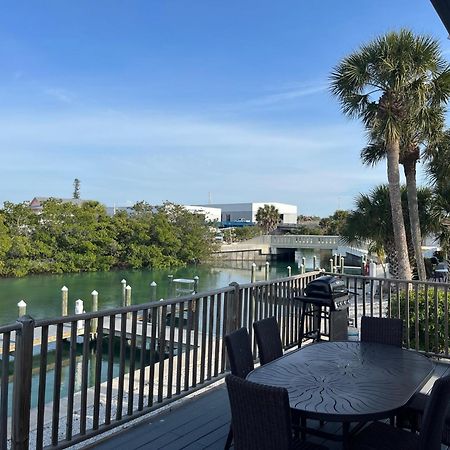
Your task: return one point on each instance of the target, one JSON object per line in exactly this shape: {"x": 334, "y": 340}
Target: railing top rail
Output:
{"x": 280, "y": 280}
{"x": 390, "y": 280}
{"x": 10, "y": 327}
{"x": 127, "y": 309}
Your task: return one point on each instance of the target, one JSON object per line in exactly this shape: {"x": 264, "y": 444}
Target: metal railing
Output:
{"x": 423, "y": 306}
{"x": 68, "y": 379}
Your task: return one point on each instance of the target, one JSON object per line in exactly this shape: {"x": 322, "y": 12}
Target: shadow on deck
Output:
{"x": 202, "y": 422}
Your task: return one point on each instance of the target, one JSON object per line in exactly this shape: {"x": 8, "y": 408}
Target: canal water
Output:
{"x": 42, "y": 293}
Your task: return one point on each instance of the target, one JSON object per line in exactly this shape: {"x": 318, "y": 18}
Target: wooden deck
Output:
{"x": 202, "y": 423}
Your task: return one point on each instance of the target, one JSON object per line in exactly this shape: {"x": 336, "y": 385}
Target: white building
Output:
{"x": 211, "y": 214}
{"x": 232, "y": 212}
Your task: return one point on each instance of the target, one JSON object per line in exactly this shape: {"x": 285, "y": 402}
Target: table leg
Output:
{"x": 302, "y": 323}
{"x": 346, "y": 436}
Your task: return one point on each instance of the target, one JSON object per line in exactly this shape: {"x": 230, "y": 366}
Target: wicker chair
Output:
{"x": 382, "y": 330}
{"x": 240, "y": 357}
{"x": 261, "y": 417}
{"x": 412, "y": 416}
{"x": 380, "y": 436}
{"x": 239, "y": 352}
{"x": 267, "y": 335}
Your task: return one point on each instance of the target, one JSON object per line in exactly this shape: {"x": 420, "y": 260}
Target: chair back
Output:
{"x": 260, "y": 415}
{"x": 239, "y": 352}
{"x": 267, "y": 335}
{"x": 382, "y": 330}
{"x": 434, "y": 415}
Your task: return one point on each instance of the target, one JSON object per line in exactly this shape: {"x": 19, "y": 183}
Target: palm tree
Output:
{"x": 439, "y": 172}
{"x": 427, "y": 130}
{"x": 385, "y": 84}
{"x": 372, "y": 221}
{"x": 267, "y": 217}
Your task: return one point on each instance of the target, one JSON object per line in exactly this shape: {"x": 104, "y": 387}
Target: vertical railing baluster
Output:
{"x": 57, "y": 384}
{"x": 187, "y": 353}
{"x": 132, "y": 363}
{"x": 372, "y": 295}
{"x": 151, "y": 383}
{"x": 111, "y": 336}
{"x": 142, "y": 362}
{"x": 4, "y": 393}
{"x": 122, "y": 354}
{"x": 212, "y": 302}
{"x": 380, "y": 300}
{"x": 446, "y": 320}
{"x": 407, "y": 315}
{"x": 427, "y": 322}
{"x": 41, "y": 390}
{"x": 84, "y": 376}
{"x": 389, "y": 310}
{"x": 173, "y": 308}
{"x": 224, "y": 329}
{"x": 436, "y": 319}
{"x": 98, "y": 372}
{"x": 217, "y": 334}
{"x": 355, "y": 290}
{"x": 71, "y": 382}
{"x": 195, "y": 315}
{"x": 416, "y": 313}
{"x": 162, "y": 352}
{"x": 203, "y": 345}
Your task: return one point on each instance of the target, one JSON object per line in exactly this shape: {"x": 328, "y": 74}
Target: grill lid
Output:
{"x": 326, "y": 287}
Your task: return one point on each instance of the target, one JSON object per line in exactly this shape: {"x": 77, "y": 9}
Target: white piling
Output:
{"x": 302, "y": 268}
{"x": 124, "y": 286}
{"x": 94, "y": 322}
{"x": 289, "y": 269}
{"x": 79, "y": 309}
{"x": 253, "y": 274}
{"x": 64, "y": 300}
{"x": 153, "y": 287}
{"x": 266, "y": 274}
{"x": 196, "y": 278}
{"x": 342, "y": 264}
{"x": 314, "y": 262}
{"x": 331, "y": 265}
{"x": 22, "y": 308}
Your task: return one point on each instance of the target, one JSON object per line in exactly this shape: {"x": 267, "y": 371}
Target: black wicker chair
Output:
{"x": 412, "y": 416}
{"x": 382, "y": 330}
{"x": 267, "y": 335}
{"x": 240, "y": 357}
{"x": 380, "y": 436}
{"x": 261, "y": 417}
{"x": 239, "y": 352}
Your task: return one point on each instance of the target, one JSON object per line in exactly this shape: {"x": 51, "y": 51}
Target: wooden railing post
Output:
{"x": 22, "y": 384}
{"x": 233, "y": 306}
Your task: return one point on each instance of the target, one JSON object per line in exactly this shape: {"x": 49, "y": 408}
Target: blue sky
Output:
{"x": 174, "y": 99}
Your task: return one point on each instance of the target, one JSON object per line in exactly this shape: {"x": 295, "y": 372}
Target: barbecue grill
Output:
{"x": 326, "y": 297}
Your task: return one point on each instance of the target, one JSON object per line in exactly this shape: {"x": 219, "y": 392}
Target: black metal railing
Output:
{"x": 68, "y": 379}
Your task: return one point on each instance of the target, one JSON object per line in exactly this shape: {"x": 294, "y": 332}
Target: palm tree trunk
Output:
{"x": 393, "y": 153}
{"x": 409, "y": 167}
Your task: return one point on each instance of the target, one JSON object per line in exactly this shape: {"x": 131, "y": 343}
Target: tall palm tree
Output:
{"x": 268, "y": 217}
{"x": 384, "y": 84}
{"x": 414, "y": 137}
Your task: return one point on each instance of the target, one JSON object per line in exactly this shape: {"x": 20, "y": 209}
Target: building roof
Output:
{"x": 442, "y": 7}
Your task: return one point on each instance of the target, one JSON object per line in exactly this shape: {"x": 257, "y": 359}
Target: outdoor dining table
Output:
{"x": 347, "y": 381}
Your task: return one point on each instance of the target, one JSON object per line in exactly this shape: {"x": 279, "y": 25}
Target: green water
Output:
{"x": 42, "y": 293}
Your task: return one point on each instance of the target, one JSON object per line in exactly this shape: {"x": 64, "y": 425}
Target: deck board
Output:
{"x": 202, "y": 422}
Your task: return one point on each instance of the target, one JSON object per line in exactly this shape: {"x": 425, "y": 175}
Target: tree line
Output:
{"x": 65, "y": 237}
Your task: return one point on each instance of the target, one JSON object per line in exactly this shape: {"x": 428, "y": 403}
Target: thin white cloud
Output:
{"x": 62, "y": 95}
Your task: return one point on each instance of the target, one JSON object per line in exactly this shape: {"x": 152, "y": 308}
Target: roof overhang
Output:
{"x": 442, "y": 7}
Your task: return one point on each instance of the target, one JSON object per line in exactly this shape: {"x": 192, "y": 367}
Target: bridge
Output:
{"x": 291, "y": 246}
